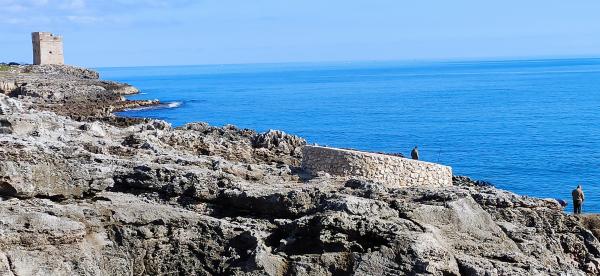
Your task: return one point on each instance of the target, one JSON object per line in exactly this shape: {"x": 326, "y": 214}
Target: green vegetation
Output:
{"x": 4, "y": 67}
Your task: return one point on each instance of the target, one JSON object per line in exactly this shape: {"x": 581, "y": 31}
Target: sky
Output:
{"x": 102, "y": 33}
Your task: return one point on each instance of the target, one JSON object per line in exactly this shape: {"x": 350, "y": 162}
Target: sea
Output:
{"x": 528, "y": 126}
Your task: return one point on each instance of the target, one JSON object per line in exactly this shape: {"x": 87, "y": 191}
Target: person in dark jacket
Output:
{"x": 578, "y": 199}
{"x": 415, "y": 153}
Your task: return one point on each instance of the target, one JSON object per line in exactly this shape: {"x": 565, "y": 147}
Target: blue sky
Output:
{"x": 178, "y": 32}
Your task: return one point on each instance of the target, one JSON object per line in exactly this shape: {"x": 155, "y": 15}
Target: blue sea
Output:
{"x": 528, "y": 126}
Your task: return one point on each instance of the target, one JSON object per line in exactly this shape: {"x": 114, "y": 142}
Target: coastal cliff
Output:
{"x": 88, "y": 193}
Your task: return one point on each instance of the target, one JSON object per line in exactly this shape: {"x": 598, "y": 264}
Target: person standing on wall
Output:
{"x": 415, "y": 153}
{"x": 578, "y": 199}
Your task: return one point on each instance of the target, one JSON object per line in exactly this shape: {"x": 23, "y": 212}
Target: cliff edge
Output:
{"x": 88, "y": 193}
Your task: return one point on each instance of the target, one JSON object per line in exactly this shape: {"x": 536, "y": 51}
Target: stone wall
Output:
{"x": 391, "y": 171}
{"x": 47, "y": 48}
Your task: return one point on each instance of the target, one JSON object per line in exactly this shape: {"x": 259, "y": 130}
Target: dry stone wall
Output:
{"x": 391, "y": 171}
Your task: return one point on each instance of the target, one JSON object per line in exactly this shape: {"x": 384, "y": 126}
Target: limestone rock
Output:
{"x": 61, "y": 70}
{"x": 88, "y": 193}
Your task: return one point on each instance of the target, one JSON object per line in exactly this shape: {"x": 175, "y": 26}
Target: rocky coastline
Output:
{"x": 85, "y": 192}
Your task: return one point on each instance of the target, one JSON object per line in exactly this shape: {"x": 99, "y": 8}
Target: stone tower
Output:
{"x": 47, "y": 48}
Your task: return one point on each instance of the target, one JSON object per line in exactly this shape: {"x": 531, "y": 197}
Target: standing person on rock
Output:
{"x": 577, "y": 199}
{"x": 415, "y": 153}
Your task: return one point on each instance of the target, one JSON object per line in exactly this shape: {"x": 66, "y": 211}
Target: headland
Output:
{"x": 88, "y": 193}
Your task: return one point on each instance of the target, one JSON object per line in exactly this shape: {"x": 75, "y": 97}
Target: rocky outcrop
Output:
{"x": 8, "y": 87}
{"x": 98, "y": 197}
{"x": 60, "y": 71}
{"x": 70, "y": 91}
{"x": 119, "y": 88}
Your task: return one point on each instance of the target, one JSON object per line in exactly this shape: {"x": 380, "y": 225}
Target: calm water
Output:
{"x": 526, "y": 126}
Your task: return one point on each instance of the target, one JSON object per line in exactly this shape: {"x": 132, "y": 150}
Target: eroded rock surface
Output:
{"x": 67, "y": 90}
{"x": 98, "y": 197}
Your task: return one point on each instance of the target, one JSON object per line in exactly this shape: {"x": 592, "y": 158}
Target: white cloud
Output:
{"x": 39, "y": 2}
{"x": 18, "y": 6}
{"x": 12, "y": 20}
{"x": 82, "y": 11}
{"x": 84, "y": 19}
{"x": 12, "y": 8}
{"x": 77, "y": 5}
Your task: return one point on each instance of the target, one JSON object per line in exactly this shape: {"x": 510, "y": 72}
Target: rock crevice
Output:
{"x": 89, "y": 193}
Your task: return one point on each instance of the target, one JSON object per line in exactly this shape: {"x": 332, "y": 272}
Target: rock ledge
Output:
{"x": 88, "y": 193}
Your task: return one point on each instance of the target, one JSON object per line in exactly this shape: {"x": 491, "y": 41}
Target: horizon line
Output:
{"x": 425, "y": 60}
